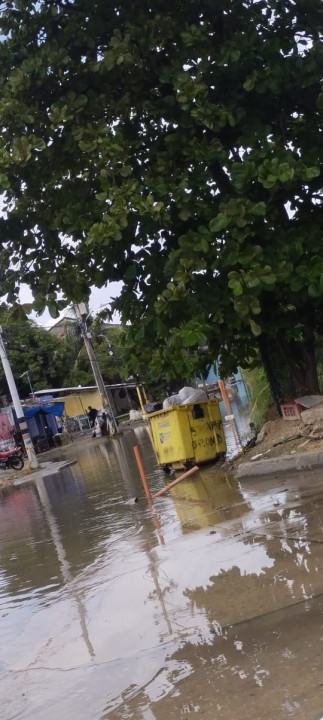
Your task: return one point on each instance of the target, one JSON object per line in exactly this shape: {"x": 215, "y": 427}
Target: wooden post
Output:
{"x": 225, "y": 397}
{"x": 140, "y": 399}
{"x": 142, "y": 472}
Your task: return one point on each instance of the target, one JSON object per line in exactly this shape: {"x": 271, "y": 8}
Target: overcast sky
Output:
{"x": 98, "y": 300}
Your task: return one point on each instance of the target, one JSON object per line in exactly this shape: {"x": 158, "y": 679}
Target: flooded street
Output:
{"x": 210, "y": 606}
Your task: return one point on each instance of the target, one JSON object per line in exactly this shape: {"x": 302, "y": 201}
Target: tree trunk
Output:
{"x": 271, "y": 377}
{"x": 302, "y": 365}
{"x": 304, "y": 376}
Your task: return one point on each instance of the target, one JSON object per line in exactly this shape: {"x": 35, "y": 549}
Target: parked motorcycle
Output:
{"x": 11, "y": 459}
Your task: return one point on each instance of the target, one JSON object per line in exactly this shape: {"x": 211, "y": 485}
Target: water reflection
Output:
{"x": 100, "y": 619}
{"x": 27, "y": 555}
{"x": 65, "y": 566}
{"x": 215, "y": 497}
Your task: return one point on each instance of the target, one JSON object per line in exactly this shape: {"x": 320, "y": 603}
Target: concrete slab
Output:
{"x": 312, "y": 415}
{"x": 49, "y": 468}
{"x": 284, "y": 463}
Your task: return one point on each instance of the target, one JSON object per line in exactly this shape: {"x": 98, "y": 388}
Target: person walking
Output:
{"x": 92, "y": 413}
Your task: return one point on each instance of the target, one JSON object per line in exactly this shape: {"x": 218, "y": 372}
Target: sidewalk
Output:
{"x": 12, "y": 478}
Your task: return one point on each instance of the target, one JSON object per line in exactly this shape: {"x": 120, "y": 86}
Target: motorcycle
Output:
{"x": 11, "y": 459}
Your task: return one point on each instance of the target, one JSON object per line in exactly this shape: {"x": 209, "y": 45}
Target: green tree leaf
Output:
{"x": 168, "y": 152}
{"x": 258, "y": 209}
{"x": 255, "y": 328}
{"x": 219, "y": 223}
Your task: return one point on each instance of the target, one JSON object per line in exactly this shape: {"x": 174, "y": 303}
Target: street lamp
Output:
{"x": 26, "y": 373}
{"x": 103, "y": 337}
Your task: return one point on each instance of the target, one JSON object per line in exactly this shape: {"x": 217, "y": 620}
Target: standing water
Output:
{"x": 109, "y": 610}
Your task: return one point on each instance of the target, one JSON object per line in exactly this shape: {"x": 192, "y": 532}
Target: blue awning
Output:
{"x": 57, "y": 409}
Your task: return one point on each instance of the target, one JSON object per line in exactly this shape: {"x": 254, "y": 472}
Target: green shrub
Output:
{"x": 259, "y": 395}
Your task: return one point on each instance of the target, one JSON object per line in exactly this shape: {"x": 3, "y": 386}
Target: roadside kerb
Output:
{"x": 284, "y": 463}
{"x": 49, "y": 469}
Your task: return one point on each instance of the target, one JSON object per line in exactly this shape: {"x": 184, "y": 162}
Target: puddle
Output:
{"x": 208, "y": 607}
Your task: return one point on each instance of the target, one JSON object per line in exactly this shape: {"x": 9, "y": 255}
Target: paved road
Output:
{"x": 211, "y": 607}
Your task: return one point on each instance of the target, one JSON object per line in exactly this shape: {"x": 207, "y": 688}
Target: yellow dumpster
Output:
{"x": 186, "y": 434}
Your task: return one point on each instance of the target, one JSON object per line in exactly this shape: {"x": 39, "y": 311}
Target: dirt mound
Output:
{"x": 281, "y": 437}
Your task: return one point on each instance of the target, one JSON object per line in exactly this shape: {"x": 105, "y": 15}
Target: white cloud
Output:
{"x": 99, "y": 299}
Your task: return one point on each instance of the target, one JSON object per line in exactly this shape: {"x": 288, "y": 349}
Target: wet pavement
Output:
{"x": 210, "y": 606}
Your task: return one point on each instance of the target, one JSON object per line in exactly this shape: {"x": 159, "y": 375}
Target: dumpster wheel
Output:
{"x": 167, "y": 470}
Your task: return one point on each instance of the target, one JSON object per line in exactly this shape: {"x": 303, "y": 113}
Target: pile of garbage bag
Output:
{"x": 153, "y": 407}
{"x": 135, "y": 415}
{"x": 186, "y": 396}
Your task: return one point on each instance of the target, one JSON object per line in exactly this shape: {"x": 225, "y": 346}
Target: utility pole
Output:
{"x": 81, "y": 311}
{"x": 17, "y": 405}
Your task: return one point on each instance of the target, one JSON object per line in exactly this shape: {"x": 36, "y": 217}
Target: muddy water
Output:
{"x": 208, "y": 607}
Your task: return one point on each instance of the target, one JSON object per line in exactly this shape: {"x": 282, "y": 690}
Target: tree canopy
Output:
{"x": 48, "y": 360}
{"x": 175, "y": 146}
{"x": 54, "y": 362}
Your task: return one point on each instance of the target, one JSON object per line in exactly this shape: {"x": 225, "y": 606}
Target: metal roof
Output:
{"x": 78, "y": 389}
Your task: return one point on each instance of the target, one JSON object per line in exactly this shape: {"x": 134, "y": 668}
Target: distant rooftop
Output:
{"x": 67, "y": 318}
{"x": 87, "y": 388}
